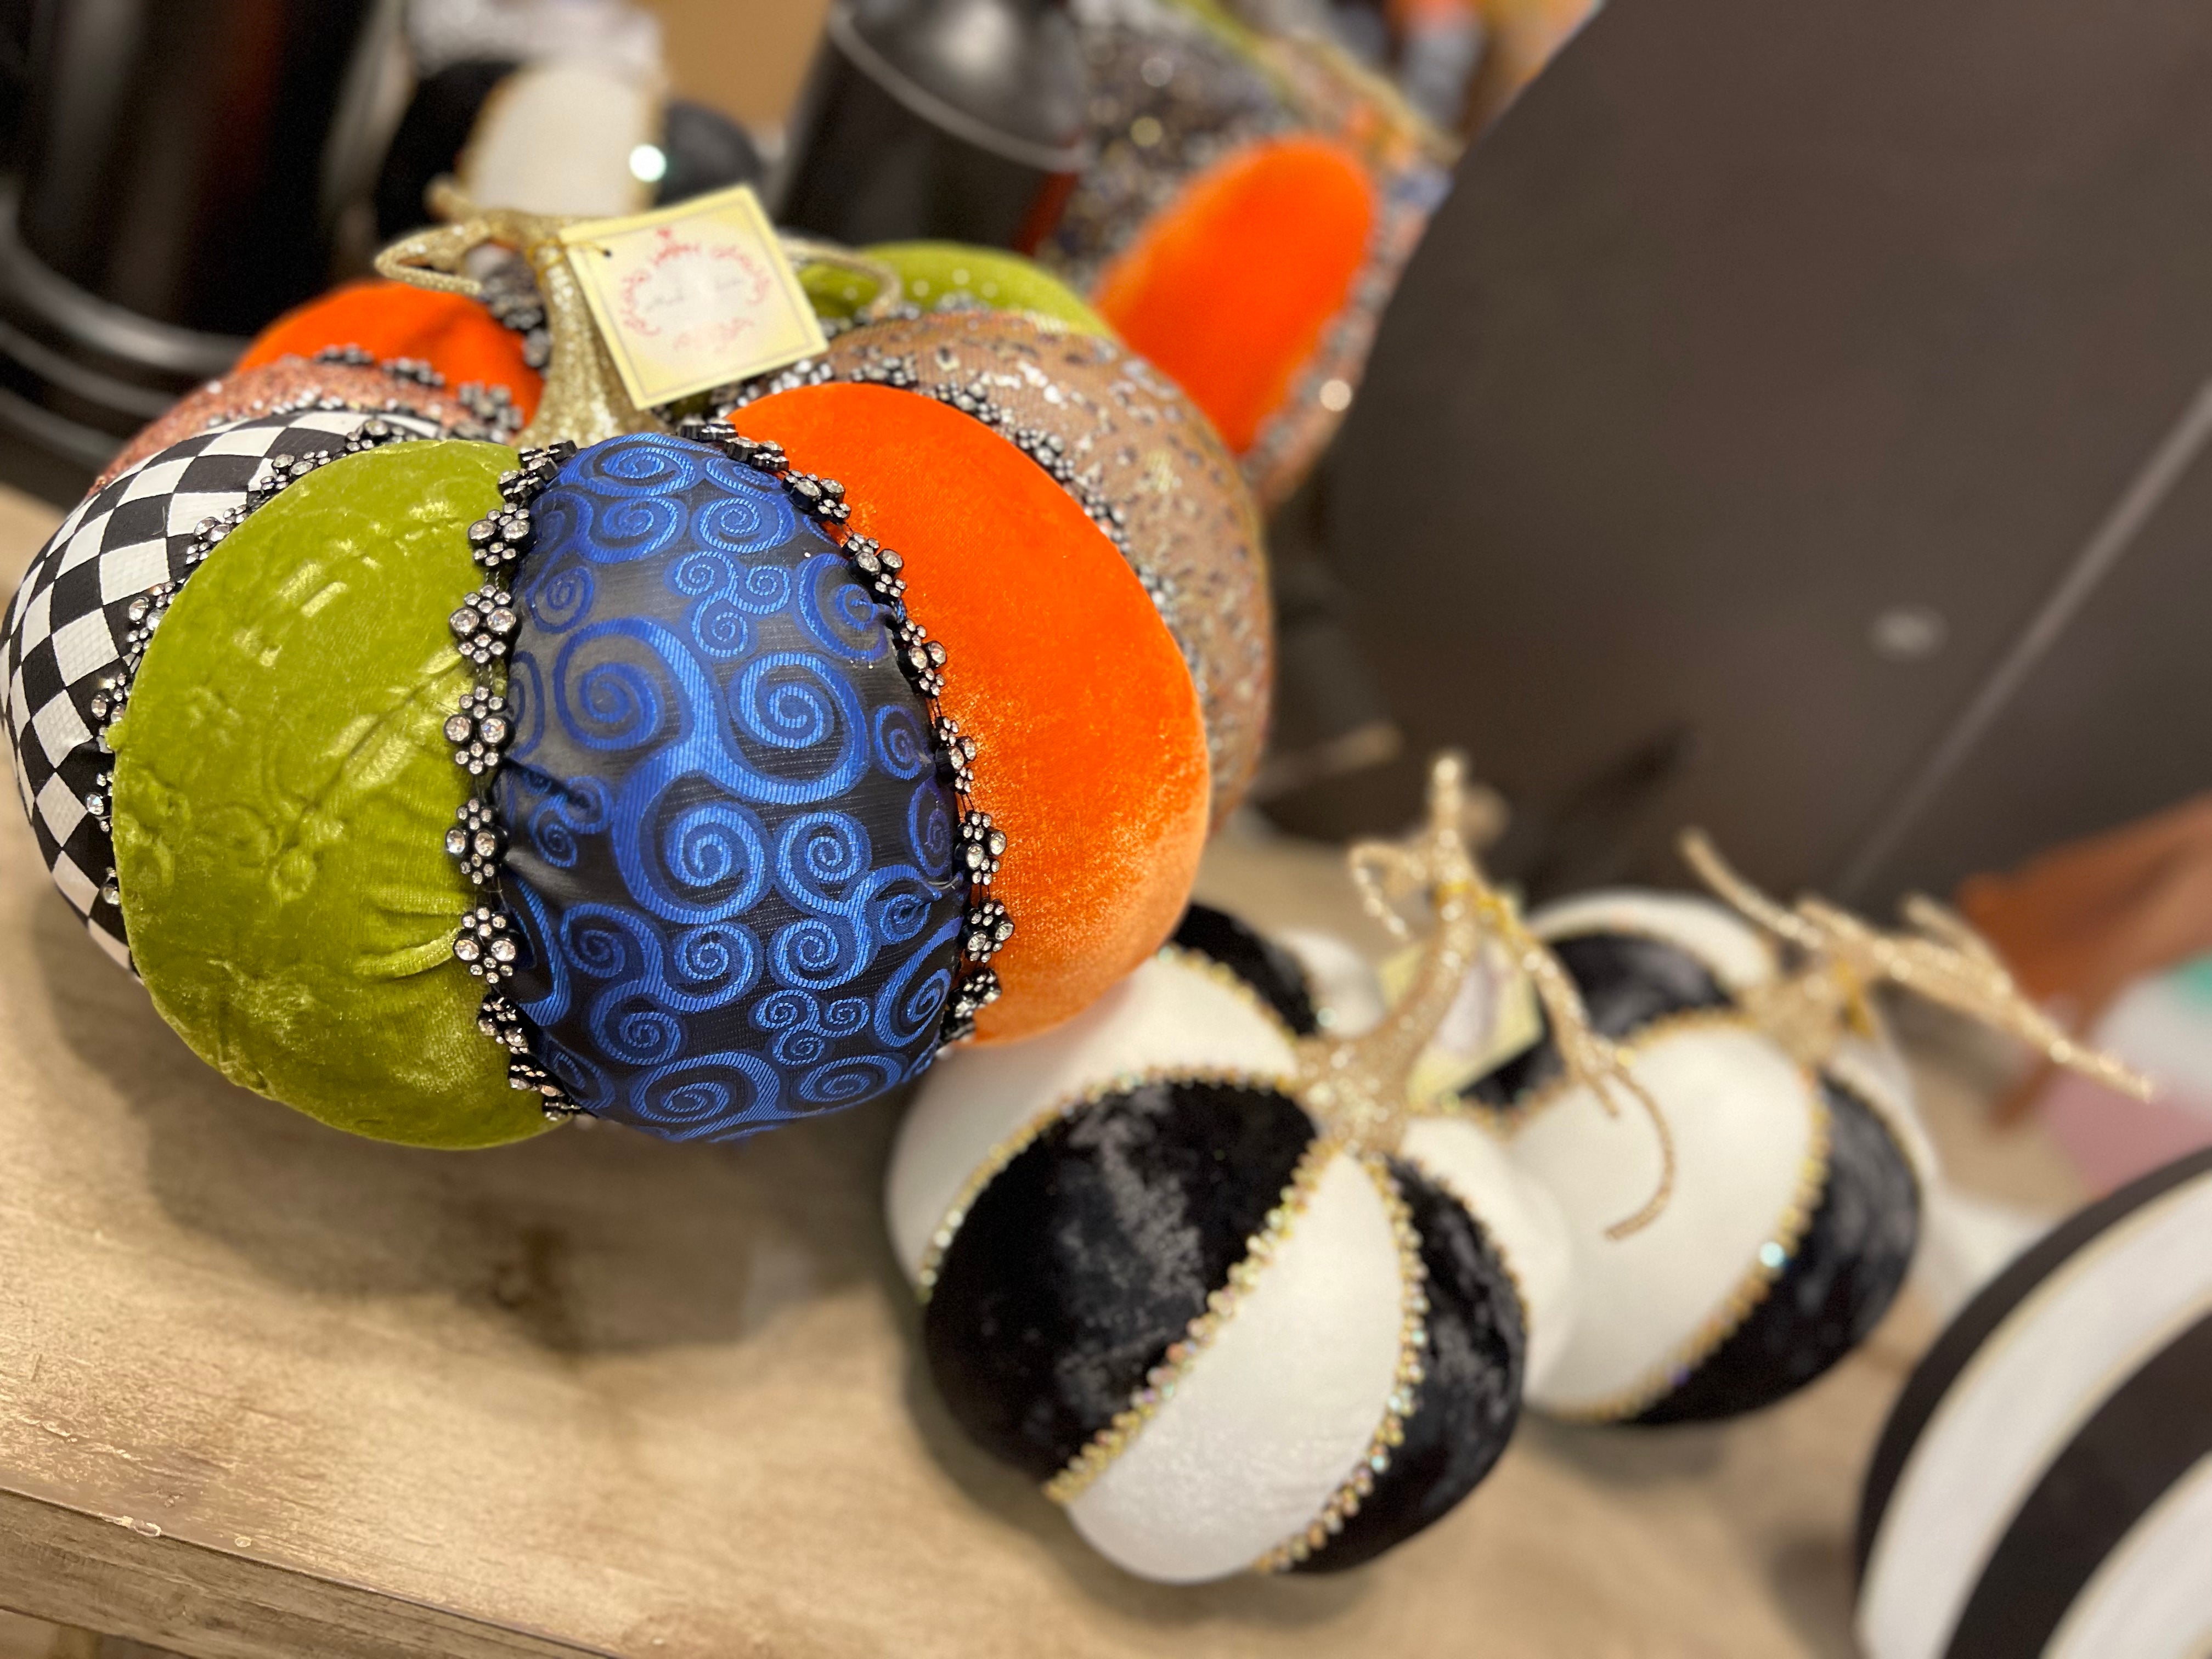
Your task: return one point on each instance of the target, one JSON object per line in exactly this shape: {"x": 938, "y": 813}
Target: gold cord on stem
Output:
{"x": 584, "y": 400}
{"x": 1943, "y": 960}
{"x": 1359, "y": 1086}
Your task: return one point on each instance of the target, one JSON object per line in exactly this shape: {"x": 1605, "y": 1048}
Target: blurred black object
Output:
{"x": 956, "y": 118}
{"x": 429, "y": 139}
{"x": 706, "y": 150}
{"x": 175, "y": 197}
{"x": 1819, "y": 398}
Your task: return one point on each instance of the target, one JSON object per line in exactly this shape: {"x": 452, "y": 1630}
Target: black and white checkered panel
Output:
{"x": 66, "y": 627}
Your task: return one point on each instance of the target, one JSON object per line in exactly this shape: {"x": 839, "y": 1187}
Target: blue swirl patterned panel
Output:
{"x": 729, "y": 846}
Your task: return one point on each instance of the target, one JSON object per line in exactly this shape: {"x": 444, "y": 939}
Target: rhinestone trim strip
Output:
{"x": 1160, "y": 1382}
{"x": 488, "y": 943}
{"x": 111, "y": 693}
{"x": 493, "y": 406}
{"x": 1405, "y": 1393}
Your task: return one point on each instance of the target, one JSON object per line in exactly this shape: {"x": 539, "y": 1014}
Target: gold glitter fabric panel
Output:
{"x": 1139, "y": 458}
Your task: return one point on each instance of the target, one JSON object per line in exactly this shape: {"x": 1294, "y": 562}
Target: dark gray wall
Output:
{"x": 1748, "y": 323}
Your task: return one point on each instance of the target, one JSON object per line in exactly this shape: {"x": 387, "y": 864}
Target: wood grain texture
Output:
{"x": 267, "y": 1390}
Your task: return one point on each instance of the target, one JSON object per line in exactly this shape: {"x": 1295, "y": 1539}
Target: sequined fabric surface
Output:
{"x": 729, "y": 845}
{"x": 1138, "y": 457}
{"x": 300, "y": 383}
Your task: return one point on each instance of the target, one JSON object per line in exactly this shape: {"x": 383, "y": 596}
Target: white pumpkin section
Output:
{"x": 1743, "y": 1116}
{"x": 2039, "y": 1378}
{"x": 1171, "y": 1014}
{"x": 1736, "y": 953}
{"x": 1273, "y": 1416}
{"x": 2152, "y": 1597}
{"x": 1525, "y": 1222}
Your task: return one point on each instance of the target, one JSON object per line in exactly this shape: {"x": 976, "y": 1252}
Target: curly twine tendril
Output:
{"x": 1943, "y": 960}
{"x": 1471, "y": 913}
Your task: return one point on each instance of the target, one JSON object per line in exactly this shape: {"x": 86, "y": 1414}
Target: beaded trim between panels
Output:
{"x": 112, "y": 694}
{"x": 1390, "y": 1433}
{"x": 493, "y": 406}
{"x": 1160, "y": 1382}
{"x": 488, "y": 941}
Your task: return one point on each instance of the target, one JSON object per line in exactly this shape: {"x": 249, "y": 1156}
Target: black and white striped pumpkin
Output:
{"x": 2044, "y": 1485}
{"x": 1220, "y": 1335}
{"x": 1796, "y": 1193}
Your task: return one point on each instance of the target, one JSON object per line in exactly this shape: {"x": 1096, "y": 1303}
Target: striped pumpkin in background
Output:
{"x": 2044, "y": 1485}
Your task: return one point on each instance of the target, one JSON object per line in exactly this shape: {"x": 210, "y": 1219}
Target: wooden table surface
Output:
{"x": 266, "y": 1390}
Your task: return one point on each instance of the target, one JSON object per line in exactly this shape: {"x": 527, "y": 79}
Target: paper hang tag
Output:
{"x": 692, "y": 295}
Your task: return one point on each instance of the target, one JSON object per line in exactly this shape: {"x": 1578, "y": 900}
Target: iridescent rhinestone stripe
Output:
{"x": 489, "y": 941}
{"x": 489, "y": 944}
{"x": 111, "y": 693}
{"x": 1389, "y": 1434}
{"x": 1161, "y": 1381}
{"x": 1014, "y": 1145}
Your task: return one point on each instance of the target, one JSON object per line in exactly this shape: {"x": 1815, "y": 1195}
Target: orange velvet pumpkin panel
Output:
{"x": 450, "y": 331}
{"x": 1090, "y": 750}
{"x": 1229, "y": 287}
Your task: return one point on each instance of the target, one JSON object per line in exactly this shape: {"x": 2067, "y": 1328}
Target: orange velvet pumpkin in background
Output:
{"x": 453, "y": 334}
{"x": 1092, "y": 751}
{"x": 1234, "y": 330}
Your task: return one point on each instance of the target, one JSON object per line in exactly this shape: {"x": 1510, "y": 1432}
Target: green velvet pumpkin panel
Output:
{"x": 283, "y": 789}
{"x": 929, "y": 272}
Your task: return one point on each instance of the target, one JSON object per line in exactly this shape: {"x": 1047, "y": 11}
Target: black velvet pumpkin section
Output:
{"x": 1836, "y": 1287}
{"x": 1092, "y": 1251}
{"x": 1627, "y": 981}
{"x": 1470, "y": 1398}
{"x": 1273, "y": 973}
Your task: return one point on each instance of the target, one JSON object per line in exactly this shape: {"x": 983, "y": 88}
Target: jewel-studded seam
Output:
{"x": 488, "y": 941}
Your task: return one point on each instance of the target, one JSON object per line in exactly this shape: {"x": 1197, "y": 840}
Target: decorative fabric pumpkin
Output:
{"x": 340, "y": 377}
{"x": 737, "y": 872}
{"x": 1185, "y": 1263}
{"x": 1139, "y": 459}
{"x": 2044, "y": 1485}
{"x": 1252, "y": 204}
{"x": 1796, "y": 1167}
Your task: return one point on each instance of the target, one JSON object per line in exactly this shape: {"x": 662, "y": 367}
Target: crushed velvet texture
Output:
{"x": 450, "y": 331}
{"x": 1837, "y": 1284}
{"x": 1273, "y": 973}
{"x": 949, "y": 275}
{"x": 1229, "y": 288}
{"x": 1091, "y": 753}
{"x": 1469, "y": 1399}
{"x": 246, "y": 392}
{"x": 282, "y": 788}
{"x": 1627, "y": 980}
{"x": 1092, "y": 1251}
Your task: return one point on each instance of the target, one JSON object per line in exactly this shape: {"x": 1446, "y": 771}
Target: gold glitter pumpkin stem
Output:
{"x": 1943, "y": 959}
